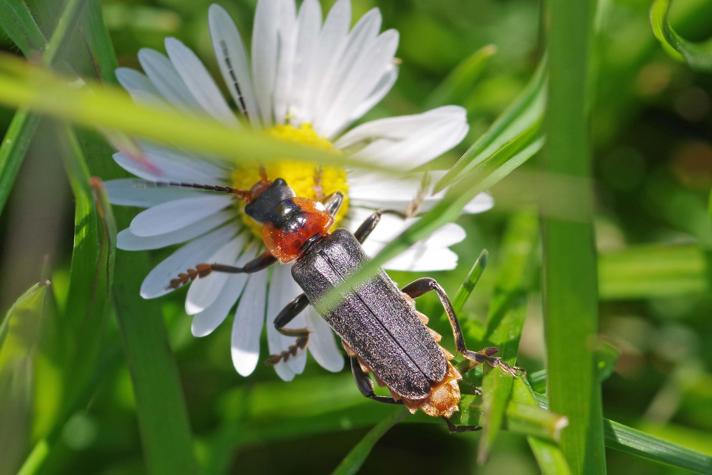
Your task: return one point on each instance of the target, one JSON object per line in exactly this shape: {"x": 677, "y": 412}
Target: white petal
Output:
{"x": 166, "y": 79}
{"x": 205, "y": 322}
{"x": 479, "y": 204}
{"x": 411, "y": 141}
{"x": 197, "y": 169}
{"x": 198, "y": 81}
{"x": 309, "y": 28}
{"x": 174, "y": 215}
{"x": 357, "y": 45}
{"x": 246, "y": 329}
{"x": 365, "y": 190}
{"x": 203, "y": 292}
{"x": 365, "y": 75}
{"x": 430, "y": 254}
{"x": 283, "y": 290}
{"x": 195, "y": 252}
{"x": 332, "y": 41}
{"x": 232, "y": 59}
{"x": 382, "y": 88}
{"x": 265, "y": 54}
{"x": 128, "y": 241}
{"x": 160, "y": 169}
{"x": 143, "y": 194}
{"x": 138, "y": 85}
{"x": 401, "y": 127}
{"x": 285, "y": 64}
{"x": 423, "y": 259}
{"x": 322, "y": 344}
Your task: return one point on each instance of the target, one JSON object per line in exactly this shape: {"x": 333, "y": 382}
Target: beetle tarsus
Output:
{"x": 421, "y": 286}
{"x": 293, "y": 349}
{"x": 289, "y": 313}
{"x": 203, "y": 270}
{"x": 452, "y": 427}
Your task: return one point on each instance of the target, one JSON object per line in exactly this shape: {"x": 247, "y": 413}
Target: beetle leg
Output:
{"x": 333, "y": 203}
{"x": 427, "y": 284}
{"x": 203, "y": 270}
{"x": 289, "y": 313}
{"x": 452, "y": 427}
{"x": 371, "y": 222}
{"x": 365, "y": 385}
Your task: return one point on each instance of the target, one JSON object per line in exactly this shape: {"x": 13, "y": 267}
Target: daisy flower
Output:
{"x": 307, "y": 81}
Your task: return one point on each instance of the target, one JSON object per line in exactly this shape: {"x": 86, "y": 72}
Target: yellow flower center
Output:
{"x": 307, "y": 180}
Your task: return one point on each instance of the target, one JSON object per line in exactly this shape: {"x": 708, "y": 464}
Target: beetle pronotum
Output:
{"x": 378, "y": 324}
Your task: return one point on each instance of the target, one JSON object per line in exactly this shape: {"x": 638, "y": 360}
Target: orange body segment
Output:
{"x": 285, "y": 244}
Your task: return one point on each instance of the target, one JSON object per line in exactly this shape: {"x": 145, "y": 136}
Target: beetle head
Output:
{"x": 271, "y": 203}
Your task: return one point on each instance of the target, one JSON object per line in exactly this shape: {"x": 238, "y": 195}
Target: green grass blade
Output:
{"x": 88, "y": 301}
{"x": 14, "y": 147}
{"x": 351, "y": 464}
{"x": 20, "y": 26}
{"x": 697, "y": 55}
{"x": 505, "y": 321}
{"x": 470, "y": 282}
{"x": 80, "y": 353}
{"x": 103, "y": 107}
{"x": 634, "y": 442}
{"x": 458, "y": 84}
{"x": 101, "y": 49}
{"x": 18, "y": 23}
{"x": 546, "y": 450}
{"x": 654, "y": 271}
{"x": 569, "y": 280}
{"x": 20, "y": 335}
{"x": 521, "y": 115}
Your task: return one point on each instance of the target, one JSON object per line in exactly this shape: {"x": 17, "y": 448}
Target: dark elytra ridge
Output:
{"x": 381, "y": 327}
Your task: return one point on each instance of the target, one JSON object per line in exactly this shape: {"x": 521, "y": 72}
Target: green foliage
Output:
{"x": 351, "y": 464}
{"x": 20, "y": 338}
{"x": 81, "y": 391}
{"x": 570, "y": 303}
{"x": 697, "y": 55}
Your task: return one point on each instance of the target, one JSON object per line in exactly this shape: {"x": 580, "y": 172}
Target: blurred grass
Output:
{"x": 649, "y": 112}
{"x": 20, "y": 338}
{"x": 697, "y": 55}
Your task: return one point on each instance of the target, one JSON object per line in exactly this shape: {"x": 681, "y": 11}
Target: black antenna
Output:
{"x": 240, "y": 99}
{"x": 217, "y": 188}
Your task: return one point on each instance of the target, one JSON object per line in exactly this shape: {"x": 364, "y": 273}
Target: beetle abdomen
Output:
{"x": 376, "y": 321}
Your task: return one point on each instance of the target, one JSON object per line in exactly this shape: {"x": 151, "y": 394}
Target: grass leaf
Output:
{"x": 526, "y": 110}
{"x": 697, "y": 55}
{"x": 351, "y": 464}
{"x": 653, "y": 271}
{"x": 634, "y": 442}
{"x": 15, "y": 144}
{"x": 458, "y": 84}
{"x": 505, "y": 321}
{"x": 470, "y": 282}
{"x": 20, "y": 26}
{"x": 20, "y": 337}
{"x": 571, "y": 304}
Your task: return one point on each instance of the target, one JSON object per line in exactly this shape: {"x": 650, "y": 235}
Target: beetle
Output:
{"x": 380, "y": 329}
